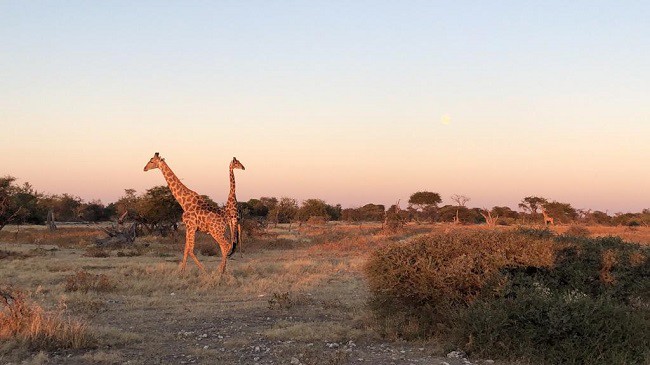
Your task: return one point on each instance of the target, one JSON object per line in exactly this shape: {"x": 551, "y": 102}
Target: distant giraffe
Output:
{"x": 547, "y": 220}
{"x": 198, "y": 214}
{"x": 232, "y": 213}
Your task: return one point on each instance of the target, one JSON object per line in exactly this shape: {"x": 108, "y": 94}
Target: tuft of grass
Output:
{"x": 96, "y": 252}
{"x": 129, "y": 253}
{"x": 12, "y": 255}
{"x": 208, "y": 248}
{"x": 84, "y": 281}
{"x": 280, "y": 301}
{"x": 27, "y": 323}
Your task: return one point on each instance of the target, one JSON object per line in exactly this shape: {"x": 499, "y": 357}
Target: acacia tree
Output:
{"x": 505, "y": 214}
{"x": 158, "y": 210}
{"x": 562, "y": 212}
{"x": 284, "y": 211}
{"x": 425, "y": 203}
{"x": 531, "y": 204}
{"x": 126, "y": 206}
{"x": 313, "y": 208}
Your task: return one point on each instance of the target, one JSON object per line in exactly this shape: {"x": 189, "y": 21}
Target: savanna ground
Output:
{"x": 293, "y": 296}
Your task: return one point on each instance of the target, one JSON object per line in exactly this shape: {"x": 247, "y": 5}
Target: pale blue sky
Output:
{"x": 342, "y": 100}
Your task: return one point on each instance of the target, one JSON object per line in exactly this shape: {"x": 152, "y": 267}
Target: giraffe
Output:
{"x": 198, "y": 214}
{"x": 547, "y": 219}
{"x": 232, "y": 214}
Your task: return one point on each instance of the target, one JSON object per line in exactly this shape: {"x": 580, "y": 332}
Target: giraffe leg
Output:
{"x": 234, "y": 237}
{"x": 241, "y": 243}
{"x": 225, "y": 247}
{"x": 189, "y": 242}
{"x": 196, "y": 260}
{"x": 190, "y": 234}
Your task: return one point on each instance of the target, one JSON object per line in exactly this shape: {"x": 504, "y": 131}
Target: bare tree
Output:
{"x": 491, "y": 221}
{"x": 460, "y": 200}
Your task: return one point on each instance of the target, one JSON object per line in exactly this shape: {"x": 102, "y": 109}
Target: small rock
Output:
{"x": 294, "y": 361}
{"x": 489, "y": 361}
{"x": 257, "y": 349}
{"x": 456, "y": 355}
{"x": 256, "y": 358}
{"x": 206, "y": 347}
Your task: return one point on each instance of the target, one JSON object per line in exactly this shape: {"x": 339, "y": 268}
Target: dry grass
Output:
{"x": 63, "y": 237}
{"x": 631, "y": 234}
{"x": 84, "y": 281}
{"x": 289, "y": 289}
{"x": 26, "y": 322}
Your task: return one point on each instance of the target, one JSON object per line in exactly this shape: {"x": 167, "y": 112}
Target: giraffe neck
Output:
{"x": 231, "y": 205}
{"x": 181, "y": 192}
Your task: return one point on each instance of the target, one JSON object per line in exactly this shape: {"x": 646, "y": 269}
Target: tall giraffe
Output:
{"x": 232, "y": 214}
{"x": 198, "y": 214}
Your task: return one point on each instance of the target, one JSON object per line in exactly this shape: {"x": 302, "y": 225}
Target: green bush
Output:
{"x": 555, "y": 328}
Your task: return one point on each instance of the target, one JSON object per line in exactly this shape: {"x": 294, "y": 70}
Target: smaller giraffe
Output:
{"x": 547, "y": 220}
{"x": 232, "y": 213}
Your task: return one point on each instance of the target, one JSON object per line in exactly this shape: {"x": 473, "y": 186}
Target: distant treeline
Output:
{"x": 157, "y": 209}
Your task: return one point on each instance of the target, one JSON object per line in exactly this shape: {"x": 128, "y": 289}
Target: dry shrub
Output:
{"x": 393, "y": 223}
{"x": 253, "y": 227}
{"x": 208, "y": 248}
{"x": 608, "y": 262}
{"x": 96, "y": 252}
{"x": 317, "y": 220}
{"x": 280, "y": 301}
{"x": 130, "y": 253}
{"x": 280, "y": 244}
{"x": 451, "y": 268}
{"x": 26, "y": 322}
{"x": 578, "y": 231}
{"x": 637, "y": 259}
{"x": 84, "y": 281}
{"x": 12, "y": 255}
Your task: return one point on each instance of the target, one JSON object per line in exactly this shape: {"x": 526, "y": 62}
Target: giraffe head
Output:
{"x": 154, "y": 163}
{"x": 235, "y": 164}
